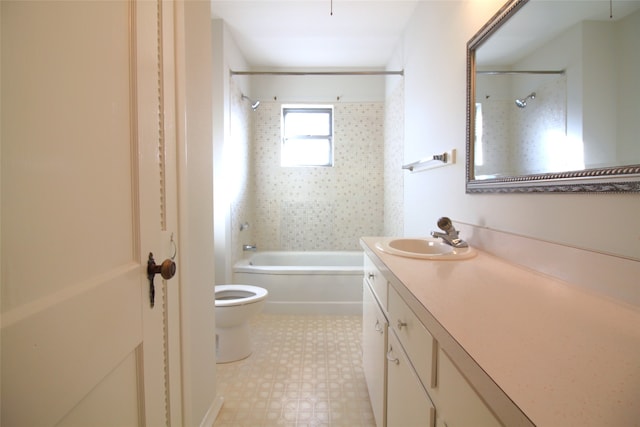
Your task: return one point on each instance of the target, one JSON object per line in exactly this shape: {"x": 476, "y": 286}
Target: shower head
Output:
{"x": 521, "y": 103}
{"x": 254, "y": 104}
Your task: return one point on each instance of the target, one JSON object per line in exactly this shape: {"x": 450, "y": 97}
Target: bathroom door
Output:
{"x": 83, "y": 205}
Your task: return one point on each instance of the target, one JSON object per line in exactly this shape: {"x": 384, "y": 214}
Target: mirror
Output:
{"x": 553, "y": 98}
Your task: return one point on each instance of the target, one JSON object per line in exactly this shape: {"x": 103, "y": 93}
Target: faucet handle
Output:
{"x": 450, "y": 236}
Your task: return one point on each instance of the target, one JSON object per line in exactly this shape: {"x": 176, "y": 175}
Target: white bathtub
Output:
{"x": 306, "y": 282}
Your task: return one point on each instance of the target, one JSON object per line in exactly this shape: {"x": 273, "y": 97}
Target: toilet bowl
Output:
{"x": 235, "y": 305}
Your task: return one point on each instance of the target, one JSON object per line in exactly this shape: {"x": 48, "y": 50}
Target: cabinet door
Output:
{"x": 407, "y": 402}
{"x": 458, "y": 404}
{"x": 374, "y": 344}
{"x": 415, "y": 339}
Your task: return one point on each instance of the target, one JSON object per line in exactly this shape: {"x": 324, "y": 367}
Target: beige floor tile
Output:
{"x": 304, "y": 371}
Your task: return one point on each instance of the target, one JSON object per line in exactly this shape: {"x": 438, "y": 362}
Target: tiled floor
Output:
{"x": 304, "y": 371}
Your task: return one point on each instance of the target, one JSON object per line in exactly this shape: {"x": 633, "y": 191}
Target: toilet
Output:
{"x": 235, "y": 305}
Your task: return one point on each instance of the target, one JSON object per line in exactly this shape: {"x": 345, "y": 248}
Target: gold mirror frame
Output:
{"x": 602, "y": 180}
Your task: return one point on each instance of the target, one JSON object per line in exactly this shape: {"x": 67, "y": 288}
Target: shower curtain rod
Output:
{"x": 317, "y": 73}
{"x": 520, "y": 72}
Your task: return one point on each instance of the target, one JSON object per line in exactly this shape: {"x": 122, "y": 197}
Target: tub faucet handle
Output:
{"x": 249, "y": 247}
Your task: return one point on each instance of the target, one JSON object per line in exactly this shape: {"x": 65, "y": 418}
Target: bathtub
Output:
{"x": 306, "y": 282}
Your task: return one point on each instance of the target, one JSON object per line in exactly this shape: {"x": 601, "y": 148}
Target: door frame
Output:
{"x": 194, "y": 75}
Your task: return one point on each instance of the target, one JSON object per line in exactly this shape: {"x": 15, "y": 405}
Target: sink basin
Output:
{"x": 426, "y": 248}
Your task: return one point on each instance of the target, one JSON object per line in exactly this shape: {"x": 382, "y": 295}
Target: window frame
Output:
{"x": 308, "y": 109}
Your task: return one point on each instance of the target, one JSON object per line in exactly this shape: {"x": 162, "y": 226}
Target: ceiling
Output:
{"x": 540, "y": 21}
{"x": 360, "y": 34}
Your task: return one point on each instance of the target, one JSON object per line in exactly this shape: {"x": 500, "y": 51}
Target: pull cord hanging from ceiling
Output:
{"x": 610, "y": 9}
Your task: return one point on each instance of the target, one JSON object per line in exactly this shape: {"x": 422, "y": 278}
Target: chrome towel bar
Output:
{"x": 437, "y": 160}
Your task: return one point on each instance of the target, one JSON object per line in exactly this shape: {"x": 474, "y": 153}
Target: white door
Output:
{"x": 83, "y": 205}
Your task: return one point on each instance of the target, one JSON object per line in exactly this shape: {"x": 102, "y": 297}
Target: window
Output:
{"x": 307, "y": 136}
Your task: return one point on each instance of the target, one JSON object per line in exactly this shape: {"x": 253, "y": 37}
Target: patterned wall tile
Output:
{"x": 316, "y": 208}
{"x": 393, "y": 160}
{"x": 238, "y": 162}
{"x": 323, "y": 208}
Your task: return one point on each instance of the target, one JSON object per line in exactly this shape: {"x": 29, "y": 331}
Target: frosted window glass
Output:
{"x": 307, "y": 136}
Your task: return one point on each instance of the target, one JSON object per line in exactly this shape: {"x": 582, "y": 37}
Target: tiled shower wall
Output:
{"x": 393, "y": 160}
{"x": 319, "y": 208}
{"x": 238, "y": 165}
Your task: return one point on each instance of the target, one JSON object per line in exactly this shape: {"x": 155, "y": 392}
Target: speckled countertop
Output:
{"x": 564, "y": 356}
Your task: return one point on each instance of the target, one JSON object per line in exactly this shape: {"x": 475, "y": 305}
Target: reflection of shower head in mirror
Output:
{"x": 522, "y": 103}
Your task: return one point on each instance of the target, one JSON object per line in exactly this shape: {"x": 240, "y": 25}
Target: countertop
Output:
{"x": 563, "y": 355}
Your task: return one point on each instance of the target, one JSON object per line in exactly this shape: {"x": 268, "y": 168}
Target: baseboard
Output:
{"x": 212, "y": 413}
{"x": 336, "y": 308}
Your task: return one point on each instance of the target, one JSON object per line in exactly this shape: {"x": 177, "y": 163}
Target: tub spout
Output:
{"x": 249, "y": 247}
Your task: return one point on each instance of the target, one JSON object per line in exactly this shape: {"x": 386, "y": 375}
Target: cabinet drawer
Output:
{"x": 377, "y": 281}
{"x": 414, "y": 337}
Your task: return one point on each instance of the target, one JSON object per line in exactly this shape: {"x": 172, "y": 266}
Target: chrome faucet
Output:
{"x": 249, "y": 247}
{"x": 450, "y": 235}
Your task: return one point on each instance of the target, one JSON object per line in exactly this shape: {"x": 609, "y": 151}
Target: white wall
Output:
{"x": 226, "y": 123}
{"x": 433, "y": 54}
{"x": 628, "y": 89}
{"x": 315, "y": 88}
{"x": 194, "y": 69}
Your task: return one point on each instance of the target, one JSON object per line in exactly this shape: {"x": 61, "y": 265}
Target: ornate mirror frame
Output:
{"x": 606, "y": 180}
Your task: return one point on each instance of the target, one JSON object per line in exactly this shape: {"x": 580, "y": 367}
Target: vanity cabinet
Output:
{"x": 411, "y": 380}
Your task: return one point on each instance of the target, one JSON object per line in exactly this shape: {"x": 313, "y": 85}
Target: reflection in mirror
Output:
{"x": 552, "y": 103}
{"x": 537, "y": 119}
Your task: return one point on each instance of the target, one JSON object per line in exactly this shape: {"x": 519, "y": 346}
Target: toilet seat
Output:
{"x": 234, "y": 295}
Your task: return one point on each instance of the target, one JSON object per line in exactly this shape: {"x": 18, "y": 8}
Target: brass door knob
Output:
{"x": 167, "y": 270}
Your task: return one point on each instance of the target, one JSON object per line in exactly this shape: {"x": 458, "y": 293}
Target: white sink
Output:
{"x": 427, "y": 248}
